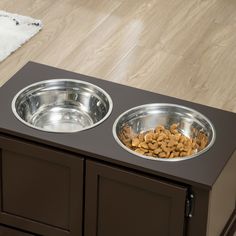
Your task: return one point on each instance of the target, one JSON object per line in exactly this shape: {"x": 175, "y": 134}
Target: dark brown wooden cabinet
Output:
{"x": 42, "y": 189}
{"x": 47, "y": 188}
{"x": 122, "y": 203}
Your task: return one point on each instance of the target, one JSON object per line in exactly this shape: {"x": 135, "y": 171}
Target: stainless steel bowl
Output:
{"x": 62, "y": 105}
{"x": 147, "y": 117}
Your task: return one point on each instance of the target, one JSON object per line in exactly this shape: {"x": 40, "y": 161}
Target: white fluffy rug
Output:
{"x": 15, "y": 30}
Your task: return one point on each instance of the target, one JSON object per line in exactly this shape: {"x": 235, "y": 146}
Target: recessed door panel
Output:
{"x": 121, "y": 203}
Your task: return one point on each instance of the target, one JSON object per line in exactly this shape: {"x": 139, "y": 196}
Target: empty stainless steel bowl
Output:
{"x": 147, "y": 117}
{"x": 62, "y": 105}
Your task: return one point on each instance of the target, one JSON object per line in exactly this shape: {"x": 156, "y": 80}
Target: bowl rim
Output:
{"x": 13, "y": 103}
{"x": 158, "y": 158}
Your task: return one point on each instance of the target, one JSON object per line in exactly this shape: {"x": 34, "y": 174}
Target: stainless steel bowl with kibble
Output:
{"x": 165, "y": 132}
{"x": 62, "y": 105}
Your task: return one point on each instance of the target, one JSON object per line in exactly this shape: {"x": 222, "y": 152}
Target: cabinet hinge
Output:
{"x": 189, "y": 205}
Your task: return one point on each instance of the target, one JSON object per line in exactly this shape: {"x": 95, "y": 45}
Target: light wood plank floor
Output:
{"x": 182, "y": 48}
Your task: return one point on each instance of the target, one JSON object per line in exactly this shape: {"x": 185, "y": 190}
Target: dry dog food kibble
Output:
{"x": 162, "y": 142}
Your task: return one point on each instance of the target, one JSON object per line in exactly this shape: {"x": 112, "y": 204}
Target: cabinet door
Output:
{"x": 121, "y": 203}
{"x": 41, "y": 189}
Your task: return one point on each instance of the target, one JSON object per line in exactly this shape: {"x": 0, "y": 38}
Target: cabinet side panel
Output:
{"x": 222, "y": 198}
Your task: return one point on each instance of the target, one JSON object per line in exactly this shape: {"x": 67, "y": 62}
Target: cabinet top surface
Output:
{"x": 99, "y": 143}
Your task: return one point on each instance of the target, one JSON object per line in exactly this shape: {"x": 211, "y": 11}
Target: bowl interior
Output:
{"x": 148, "y": 117}
{"x": 62, "y": 105}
